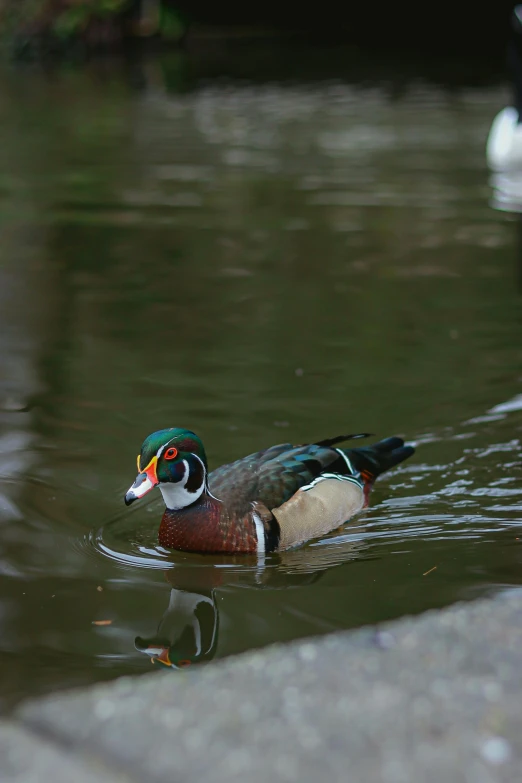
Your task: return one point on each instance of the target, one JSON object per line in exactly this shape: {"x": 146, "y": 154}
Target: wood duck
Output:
{"x": 272, "y": 500}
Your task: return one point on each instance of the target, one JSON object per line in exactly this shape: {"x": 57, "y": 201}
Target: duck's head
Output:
{"x": 175, "y": 461}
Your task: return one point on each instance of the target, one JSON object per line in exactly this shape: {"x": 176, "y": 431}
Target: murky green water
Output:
{"x": 260, "y": 263}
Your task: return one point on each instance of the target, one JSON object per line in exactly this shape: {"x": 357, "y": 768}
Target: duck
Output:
{"x": 270, "y": 501}
{"x": 504, "y": 143}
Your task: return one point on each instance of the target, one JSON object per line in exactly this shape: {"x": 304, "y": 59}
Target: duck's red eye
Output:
{"x": 171, "y": 453}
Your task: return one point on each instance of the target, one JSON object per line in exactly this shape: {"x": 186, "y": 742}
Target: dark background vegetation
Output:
{"x": 446, "y": 29}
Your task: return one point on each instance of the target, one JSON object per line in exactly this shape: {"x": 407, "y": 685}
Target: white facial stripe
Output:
{"x": 176, "y": 495}
{"x": 205, "y": 475}
{"x": 201, "y": 463}
{"x": 143, "y": 488}
{"x": 162, "y": 448}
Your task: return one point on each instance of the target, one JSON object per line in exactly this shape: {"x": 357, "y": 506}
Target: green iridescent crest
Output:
{"x": 185, "y": 441}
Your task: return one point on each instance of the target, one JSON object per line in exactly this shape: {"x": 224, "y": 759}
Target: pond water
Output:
{"x": 261, "y": 261}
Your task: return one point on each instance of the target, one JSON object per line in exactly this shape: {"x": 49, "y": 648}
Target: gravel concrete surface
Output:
{"x": 437, "y": 697}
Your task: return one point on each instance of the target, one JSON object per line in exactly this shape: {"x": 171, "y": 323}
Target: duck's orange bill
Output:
{"x": 145, "y": 481}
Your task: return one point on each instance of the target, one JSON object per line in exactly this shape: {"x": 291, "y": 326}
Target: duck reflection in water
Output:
{"x": 188, "y": 632}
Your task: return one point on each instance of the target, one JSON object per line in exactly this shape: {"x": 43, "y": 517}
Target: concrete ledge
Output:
{"x": 438, "y": 697}
{"x": 27, "y": 758}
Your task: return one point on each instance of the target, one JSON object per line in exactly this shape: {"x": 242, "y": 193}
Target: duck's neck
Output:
{"x": 182, "y": 494}
{"x": 177, "y": 497}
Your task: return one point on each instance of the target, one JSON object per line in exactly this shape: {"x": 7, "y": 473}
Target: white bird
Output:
{"x": 504, "y": 144}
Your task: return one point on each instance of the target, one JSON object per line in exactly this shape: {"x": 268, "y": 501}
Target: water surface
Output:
{"x": 260, "y": 261}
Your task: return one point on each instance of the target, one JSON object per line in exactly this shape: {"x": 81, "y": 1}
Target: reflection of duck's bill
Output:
{"x": 163, "y": 657}
{"x": 157, "y": 652}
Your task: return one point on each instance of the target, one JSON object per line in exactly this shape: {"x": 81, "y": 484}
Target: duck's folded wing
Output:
{"x": 273, "y": 476}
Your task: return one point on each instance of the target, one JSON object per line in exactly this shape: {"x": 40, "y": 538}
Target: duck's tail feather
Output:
{"x": 328, "y": 442}
{"x": 373, "y": 460}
